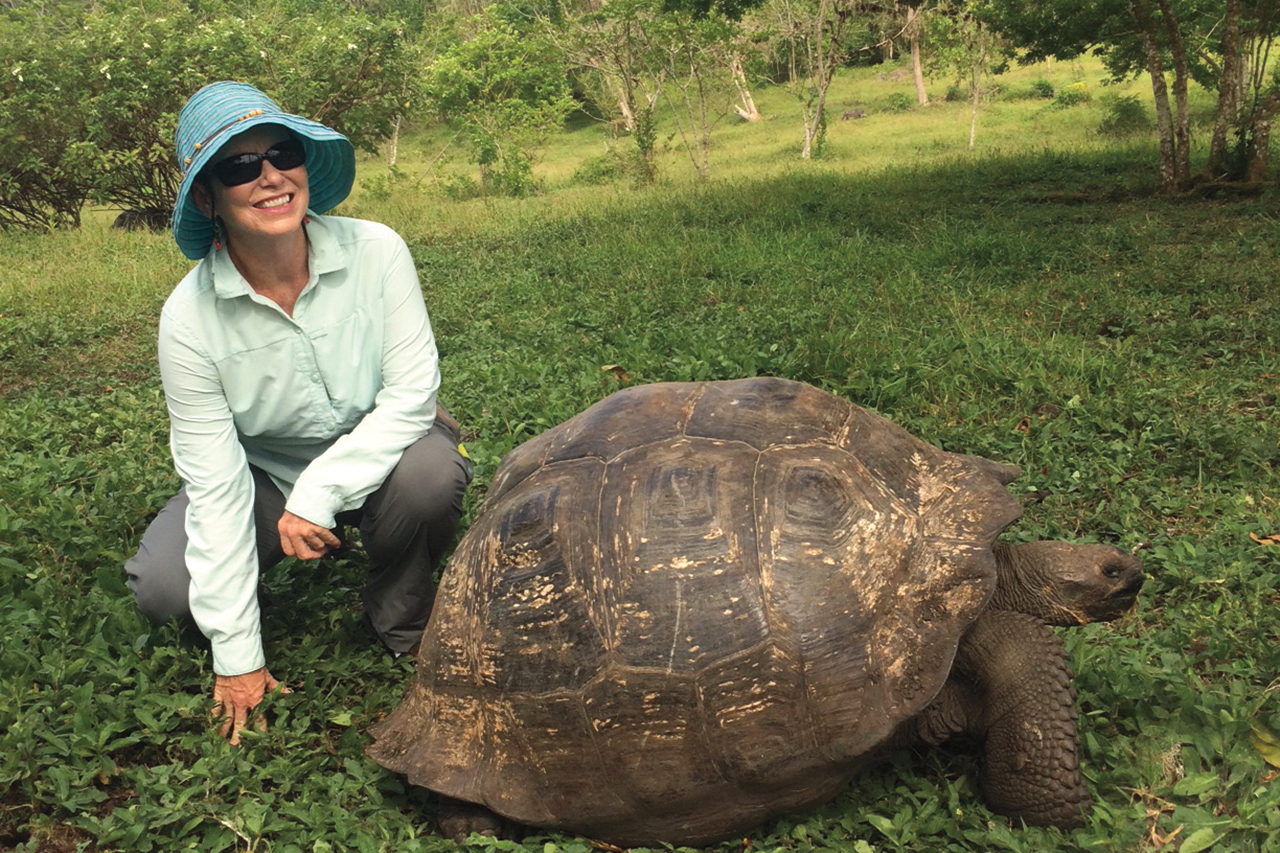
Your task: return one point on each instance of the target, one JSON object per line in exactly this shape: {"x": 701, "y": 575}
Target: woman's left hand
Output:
{"x": 304, "y": 540}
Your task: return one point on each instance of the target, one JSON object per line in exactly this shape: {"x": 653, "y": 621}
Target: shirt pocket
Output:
{"x": 348, "y": 358}
{"x": 266, "y": 389}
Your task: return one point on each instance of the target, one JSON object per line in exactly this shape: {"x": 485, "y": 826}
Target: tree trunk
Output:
{"x": 975, "y": 92}
{"x": 979, "y": 63}
{"x": 628, "y": 114}
{"x": 917, "y": 67}
{"x": 393, "y": 145}
{"x": 1181, "y": 74}
{"x": 747, "y": 107}
{"x": 822, "y": 79}
{"x": 1168, "y": 173}
{"x": 1260, "y": 138}
{"x": 1229, "y": 90}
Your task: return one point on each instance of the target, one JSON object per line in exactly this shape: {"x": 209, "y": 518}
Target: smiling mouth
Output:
{"x": 280, "y": 201}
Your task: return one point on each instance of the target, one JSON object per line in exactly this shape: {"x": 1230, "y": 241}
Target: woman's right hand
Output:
{"x": 304, "y": 540}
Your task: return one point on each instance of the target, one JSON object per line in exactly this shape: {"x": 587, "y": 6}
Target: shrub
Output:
{"x": 461, "y": 188}
{"x": 508, "y": 93}
{"x": 1041, "y": 88}
{"x": 1125, "y": 116}
{"x": 1071, "y": 95}
{"x": 90, "y": 105}
{"x": 603, "y": 169}
{"x": 956, "y": 93}
{"x": 897, "y": 102}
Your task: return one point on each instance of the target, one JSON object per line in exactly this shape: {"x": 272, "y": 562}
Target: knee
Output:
{"x": 420, "y": 501}
{"x": 432, "y": 479}
{"x": 160, "y": 592}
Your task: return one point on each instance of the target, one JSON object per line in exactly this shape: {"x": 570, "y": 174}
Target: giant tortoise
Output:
{"x": 696, "y": 606}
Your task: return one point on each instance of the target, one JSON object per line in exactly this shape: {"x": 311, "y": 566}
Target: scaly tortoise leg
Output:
{"x": 459, "y": 819}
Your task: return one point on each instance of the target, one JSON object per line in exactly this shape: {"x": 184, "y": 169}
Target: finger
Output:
{"x": 241, "y": 718}
{"x": 286, "y": 545}
{"x": 327, "y": 537}
{"x": 307, "y": 551}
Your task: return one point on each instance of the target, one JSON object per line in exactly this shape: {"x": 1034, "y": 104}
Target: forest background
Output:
{"x": 1045, "y": 236}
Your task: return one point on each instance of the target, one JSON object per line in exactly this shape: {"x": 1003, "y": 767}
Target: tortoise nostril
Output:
{"x": 1135, "y": 584}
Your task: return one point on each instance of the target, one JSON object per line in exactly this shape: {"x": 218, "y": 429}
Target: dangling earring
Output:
{"x": 306, "y": 220}
{"x": 217, "y": 233}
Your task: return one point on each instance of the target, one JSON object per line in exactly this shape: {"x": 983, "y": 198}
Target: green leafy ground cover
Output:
{"x": 1042, "y": 309}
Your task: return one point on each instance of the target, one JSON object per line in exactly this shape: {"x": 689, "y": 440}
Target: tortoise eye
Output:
{"x": 1111, "y": 570}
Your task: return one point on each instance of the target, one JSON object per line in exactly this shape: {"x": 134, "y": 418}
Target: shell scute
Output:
{"x": 766, "y": 412}
{"x": 531, "y": 617}
{"x": 679, "y": 531}
{"x": 749, "y": 700}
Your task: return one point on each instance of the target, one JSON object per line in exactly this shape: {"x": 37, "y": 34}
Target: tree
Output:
{"x": 1222, "y": 44}
{"x": 507, "y": 92}
{"x": 962, "y": 45}
{"x": 639, "y": 53}
{"x": 49, "y": 165}
{"x": 696, "y": 55}
{"x": 913, "y": 30}
{"x": 813, "y": 38}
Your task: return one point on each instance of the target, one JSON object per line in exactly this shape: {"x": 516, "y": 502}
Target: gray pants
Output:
{"x": 405, "y": 525}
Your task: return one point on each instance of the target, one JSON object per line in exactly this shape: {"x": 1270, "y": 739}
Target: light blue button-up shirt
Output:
{"x": 325, "y": 402}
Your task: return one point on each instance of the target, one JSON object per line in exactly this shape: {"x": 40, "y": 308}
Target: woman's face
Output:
{"x": 273, "y": 204}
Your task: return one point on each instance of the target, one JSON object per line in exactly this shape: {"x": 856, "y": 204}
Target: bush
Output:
{"x": 1125, "y": 116}
{"x": 507, "y": 92}
{"x": 90, "y": 106}
{"x": 1071, "y": 95}
{"x": 897, "y": 102}
{"x": 603, "y": 169}
{"x": 956, "y": 93}
{"x": 461, "y": 188}
{"x": 1041, "y": 88}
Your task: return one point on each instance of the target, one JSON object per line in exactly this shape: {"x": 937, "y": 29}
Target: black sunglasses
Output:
{"x": 243, "y": 168}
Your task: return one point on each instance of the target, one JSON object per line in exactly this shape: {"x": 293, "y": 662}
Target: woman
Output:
{"x": 300, "y": 373}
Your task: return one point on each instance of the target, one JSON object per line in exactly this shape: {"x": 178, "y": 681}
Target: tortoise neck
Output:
{"x": 1023, "y": 584}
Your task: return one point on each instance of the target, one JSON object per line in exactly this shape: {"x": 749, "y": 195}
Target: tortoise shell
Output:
{"x": 695, "y": 606}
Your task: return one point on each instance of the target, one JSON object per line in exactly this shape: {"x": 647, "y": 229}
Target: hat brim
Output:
{"x": 331, "y": 171}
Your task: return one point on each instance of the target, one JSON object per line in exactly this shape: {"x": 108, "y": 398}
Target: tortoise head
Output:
{"x": 1066, "y": 584}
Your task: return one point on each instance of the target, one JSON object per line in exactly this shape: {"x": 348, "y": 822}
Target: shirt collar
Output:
{"x": 325, "y": 254}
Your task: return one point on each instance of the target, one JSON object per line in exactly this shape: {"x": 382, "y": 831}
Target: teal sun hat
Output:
{"x": 225, "y": 109}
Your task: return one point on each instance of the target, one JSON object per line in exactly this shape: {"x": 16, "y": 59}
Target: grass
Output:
{"x": 1035, "y": 306}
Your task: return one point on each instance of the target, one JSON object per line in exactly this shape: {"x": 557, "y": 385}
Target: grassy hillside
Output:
{"x": 1031, "y": 302}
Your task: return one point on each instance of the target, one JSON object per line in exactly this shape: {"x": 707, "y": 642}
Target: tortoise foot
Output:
{"x": 459, "y": 819}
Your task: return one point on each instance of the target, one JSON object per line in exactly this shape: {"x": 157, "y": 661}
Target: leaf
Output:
{"x": 1266, "y": 742}
{"x": 342, "y": 719}
{"x": 1192, "y": 786}
{"x": 1268, "y": 539}
{"x": 618, "y": 370}
{"x": 1201, "y": 839}
{"x": 883, "y": 824}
